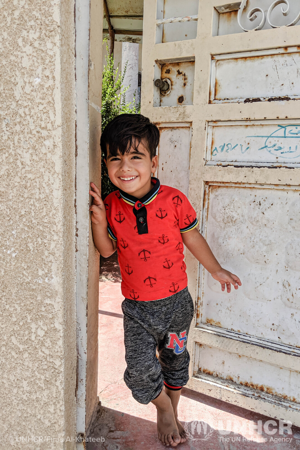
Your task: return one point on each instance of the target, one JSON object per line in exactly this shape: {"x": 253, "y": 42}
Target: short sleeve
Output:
{"x": 111, "y": 232}
{"x": 110, "y": 229}
{"x": 186, "y": 214}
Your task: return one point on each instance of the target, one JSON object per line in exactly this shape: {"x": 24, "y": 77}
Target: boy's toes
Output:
{"x": 161, "y": 437}
{"x": 183, "y": 436}
{"x": 164, "y": 440}
{"x": 177, "y": 439}
{"x": 174, "y": 439}
{"x": 169, "y": 440}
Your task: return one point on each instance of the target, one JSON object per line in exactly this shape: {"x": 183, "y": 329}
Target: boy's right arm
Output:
{"x": 103, "y": 243}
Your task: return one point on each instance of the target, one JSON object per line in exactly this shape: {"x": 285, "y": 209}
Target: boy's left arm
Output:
{"x": 198, "y": 246}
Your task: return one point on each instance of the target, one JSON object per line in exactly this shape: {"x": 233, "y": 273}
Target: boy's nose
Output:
{"x": 125, "y": 165}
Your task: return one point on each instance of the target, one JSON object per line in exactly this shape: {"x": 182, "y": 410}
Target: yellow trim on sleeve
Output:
{"x": 190, "y": 228}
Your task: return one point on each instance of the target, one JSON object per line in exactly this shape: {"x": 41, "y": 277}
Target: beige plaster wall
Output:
{"x": 37, "y": 228}
{"x": 88, "y": 168}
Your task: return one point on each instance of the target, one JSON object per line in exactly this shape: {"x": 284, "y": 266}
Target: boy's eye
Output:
{"x": 116, "y": 158}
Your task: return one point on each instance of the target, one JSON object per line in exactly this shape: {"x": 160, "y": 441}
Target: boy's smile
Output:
{"x": 132, "y": 171}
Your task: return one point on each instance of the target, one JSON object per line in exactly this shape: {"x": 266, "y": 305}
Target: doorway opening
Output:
{"x": 122, "y": 422}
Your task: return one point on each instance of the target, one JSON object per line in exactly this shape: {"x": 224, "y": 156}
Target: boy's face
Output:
{"x": 132, "y": 171}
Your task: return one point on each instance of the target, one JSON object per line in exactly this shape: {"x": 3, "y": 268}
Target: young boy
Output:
{"x": 148, "y": 223}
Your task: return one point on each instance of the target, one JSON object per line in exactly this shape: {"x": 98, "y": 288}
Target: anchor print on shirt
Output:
{"x": 187, "y": 219}
{"x": 123, "y": 243}
{"x": 163, "y": 239}
{"x": 143, "y": 254}
{"x": 174, "y": 287}
{"x": 118, "y": 195}
{"x": 168, "y": 264}
{"x": 150, "y": 281}
{"x": 177, "y": 201}
{"x": 161, "y": 213}
{"x": 133, "y": 294}
{"x": 179, "y": 246}
{"x": 106, "y": 206}
{"x": 128, "y": 269}
{"x": 119, "y": 217}
{"x": 176, "y": 223}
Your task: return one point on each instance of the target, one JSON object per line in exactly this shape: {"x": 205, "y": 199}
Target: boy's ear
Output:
{"x": 154, "y": 164}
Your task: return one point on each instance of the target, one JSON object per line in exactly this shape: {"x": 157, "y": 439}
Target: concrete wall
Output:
{"x": 37, "y": 229}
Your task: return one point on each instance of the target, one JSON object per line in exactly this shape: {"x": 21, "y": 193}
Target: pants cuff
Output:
{"x": 157, "y": 395}
{"x": 173, "y": 388}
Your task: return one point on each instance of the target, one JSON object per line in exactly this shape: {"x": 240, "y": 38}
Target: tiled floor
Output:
{"x": 124, "y": 424}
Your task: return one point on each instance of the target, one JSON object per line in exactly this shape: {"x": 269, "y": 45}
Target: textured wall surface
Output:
{"x": 37, "y": 232}
{"x": 89, "y": 17}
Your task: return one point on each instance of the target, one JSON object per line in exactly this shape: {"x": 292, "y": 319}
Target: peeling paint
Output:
{"x": 181, "y": 77}
{"x": 247, "y": 234}
{"x": 276, "y": 73}
{"x": 174, "y": 157}
{"x": 279, "y": 382}
{"x": 213, "y": 322}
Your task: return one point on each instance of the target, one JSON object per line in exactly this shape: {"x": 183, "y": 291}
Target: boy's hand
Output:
{"x": 98, "y": 212}
{"x": 227, "y": 278}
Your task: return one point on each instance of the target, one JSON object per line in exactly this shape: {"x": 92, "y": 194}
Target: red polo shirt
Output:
{"x": 149, "y": 242}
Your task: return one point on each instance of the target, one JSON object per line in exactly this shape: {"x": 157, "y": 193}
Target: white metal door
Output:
{"x": 228, "y": 111}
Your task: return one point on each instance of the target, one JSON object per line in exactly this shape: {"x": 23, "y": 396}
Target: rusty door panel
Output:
{"x": 263, "y": 143}
{"x": 249, "y": 372}
{"x": 180, "y": 31}
{"x": 174, "y": 155}
{"x": 255, "y": 232}
{"x": 270, "y": 75}
{"x": 181, "y": 76}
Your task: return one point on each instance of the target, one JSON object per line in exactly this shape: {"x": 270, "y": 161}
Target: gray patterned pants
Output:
{"x": 163, "y": 325}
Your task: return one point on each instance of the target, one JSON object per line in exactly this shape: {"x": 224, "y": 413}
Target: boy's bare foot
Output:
{"x": 181, "y": 430}
{"x": 166, "y": 422}
{"x": 166, "y": 427}
{"x": 175, "y": 396}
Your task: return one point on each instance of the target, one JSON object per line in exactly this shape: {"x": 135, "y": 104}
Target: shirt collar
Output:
{"x": 148, "y": 198}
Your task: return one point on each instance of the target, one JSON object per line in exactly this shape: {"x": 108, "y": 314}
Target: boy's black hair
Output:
{"x": 126, "y": 130}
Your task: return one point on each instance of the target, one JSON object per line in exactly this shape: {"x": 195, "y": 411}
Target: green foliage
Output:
{"x": 113, "y": 104}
